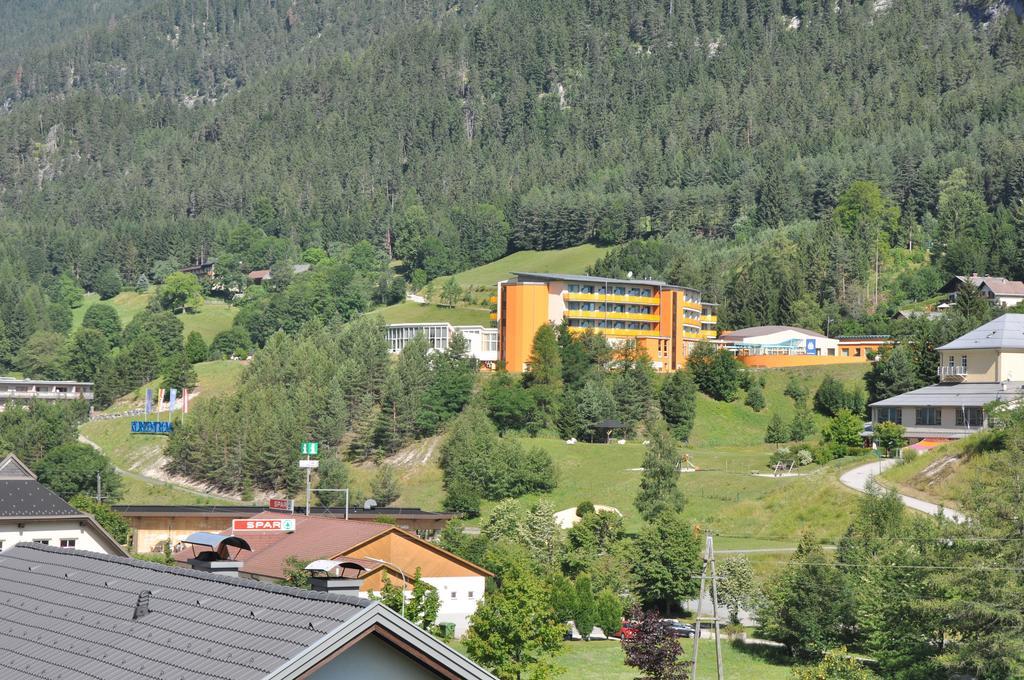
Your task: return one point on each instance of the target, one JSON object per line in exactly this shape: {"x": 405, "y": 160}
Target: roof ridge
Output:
{"x": 191, "y": 573}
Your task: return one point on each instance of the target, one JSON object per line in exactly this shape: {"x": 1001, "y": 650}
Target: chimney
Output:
{"x": 215, "y": 558}
{"x": 335, "y": 576}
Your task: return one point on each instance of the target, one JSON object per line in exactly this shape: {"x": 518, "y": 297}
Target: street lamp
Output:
{"x": 386, "y": 563}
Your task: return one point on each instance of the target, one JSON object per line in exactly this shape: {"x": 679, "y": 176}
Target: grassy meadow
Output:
{"x": 566, "y": 261}
{"x": 414, "y": 312}
{"x": 212, "y": 318}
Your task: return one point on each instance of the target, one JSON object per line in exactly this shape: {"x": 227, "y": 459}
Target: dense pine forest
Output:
{"x": 770, "y": 152}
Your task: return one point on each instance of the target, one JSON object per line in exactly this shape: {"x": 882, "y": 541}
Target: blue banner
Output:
{"x": 174, "y": 400}
{"x": 152, "y": 427}
{"x": 149, "y": 401}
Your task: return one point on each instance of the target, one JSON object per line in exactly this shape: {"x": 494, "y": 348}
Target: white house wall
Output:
{"x": 468, "y": 593}
{"x": 54, "y": 530}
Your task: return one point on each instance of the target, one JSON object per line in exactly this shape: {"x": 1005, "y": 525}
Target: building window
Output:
{"x": 470, "y": 594}
{"x": 929, "y": 416}
{"x": 453, "y": 594}
{"x": 890, "y": 414}
{"x": 574, "y": 288}
{"x": 952, "y": 361}
{"x": 963, "y": 362}
{"x": 41, "y": 541}
{"x": 970, "y": 416}
{"x": 68, "y": 542}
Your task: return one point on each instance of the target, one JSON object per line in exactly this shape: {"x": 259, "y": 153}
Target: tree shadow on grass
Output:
{"x": 778, "y": 656}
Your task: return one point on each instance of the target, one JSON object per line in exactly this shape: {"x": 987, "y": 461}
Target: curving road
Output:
{"x": 859, "y": 477}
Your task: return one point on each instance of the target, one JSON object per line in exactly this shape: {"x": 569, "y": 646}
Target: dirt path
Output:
{"x": 156, "y": 480}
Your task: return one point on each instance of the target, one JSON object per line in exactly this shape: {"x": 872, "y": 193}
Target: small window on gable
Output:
{"x": 68, "y": 542}
{"x": 453, "y": 594}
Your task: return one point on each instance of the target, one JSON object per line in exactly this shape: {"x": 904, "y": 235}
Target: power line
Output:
{"x": 896, "y": 566}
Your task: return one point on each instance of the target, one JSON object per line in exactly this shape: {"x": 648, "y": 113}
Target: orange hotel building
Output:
{"x": 665, "y": 320}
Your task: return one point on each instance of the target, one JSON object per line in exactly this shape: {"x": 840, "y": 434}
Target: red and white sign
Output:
{"x": 281, "y": 504}
{"x": 263, "y": 525}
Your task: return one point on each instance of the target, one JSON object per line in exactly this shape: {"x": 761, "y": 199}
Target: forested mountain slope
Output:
{"x": 451, "y": 139}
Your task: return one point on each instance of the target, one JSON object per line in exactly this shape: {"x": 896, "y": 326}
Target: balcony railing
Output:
{"x": 708, "y": 318}
{"x": 24, "y": 394}
{"x": 621, "y": 316}
{"x": 631, "y": 332}
{"x": 696, "y": 306}
{"x": 608, "y": 297}
{"x": 952, "y": 373}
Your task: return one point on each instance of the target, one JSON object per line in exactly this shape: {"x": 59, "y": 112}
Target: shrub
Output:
{"x": 909, "y": 456}
{"x": 804, "y": 457}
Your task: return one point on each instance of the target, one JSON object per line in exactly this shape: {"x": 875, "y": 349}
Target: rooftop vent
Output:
{"x": 142, "y": 605}
{"x": 216, "y": 559}
{"x": 336, "y": 576}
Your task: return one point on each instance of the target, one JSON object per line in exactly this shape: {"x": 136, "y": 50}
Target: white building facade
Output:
{"x": 483, "y": 341}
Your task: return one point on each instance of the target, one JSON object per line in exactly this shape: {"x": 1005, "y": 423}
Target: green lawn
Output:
{"x": 212, "y": 318}
{"x": 568, "y": 261}
{"x": 604, "y": 660}
{"x": 721, "y": 424}
{"x": 414, "y": 312}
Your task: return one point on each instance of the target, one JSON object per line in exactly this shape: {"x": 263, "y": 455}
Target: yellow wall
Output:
{"x": 981, "y": 364}
{"x": 789, "y": 360}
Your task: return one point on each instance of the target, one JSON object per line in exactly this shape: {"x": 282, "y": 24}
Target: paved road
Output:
{"x": 858, "y": 478}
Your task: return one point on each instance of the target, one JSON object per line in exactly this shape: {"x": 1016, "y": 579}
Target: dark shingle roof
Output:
{"x": 29, "y": 498}
{"x": 69, "y": 614}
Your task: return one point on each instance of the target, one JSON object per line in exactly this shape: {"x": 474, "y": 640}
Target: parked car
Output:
{"x": 627, "y": 630}
{"x": 678, "y": 629}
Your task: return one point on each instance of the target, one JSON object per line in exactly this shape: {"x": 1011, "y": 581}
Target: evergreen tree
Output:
{"x": 333, "y": 474}
{"x": 195, "y": 348}
{"x": 178, "y": 373}
{"x": 777, "y": 432}
{"x": 894, "y": 373}
{"x": 678, "y": 399}
{"x": 659, "y": 483}
{"x": 801, "y": 427}
{"x": 755, "y": 397}
{"x": 104, "y": 318}
{"x": 830, "y": 397}
{"x": 543, "y": 376}
{"x": 608, "y": 612}
{"x": 634, "y": 384}
{"x": 809, "y": 607}
{"x": 384, "y": 485}
{"x": 586, "y": 607}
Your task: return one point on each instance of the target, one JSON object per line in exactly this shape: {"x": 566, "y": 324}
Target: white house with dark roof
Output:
{"x": 982, "y": 366}
{"x": 77, "y": 615}
{"x": 997, "y": 289}
{"x": 31, "y": 512}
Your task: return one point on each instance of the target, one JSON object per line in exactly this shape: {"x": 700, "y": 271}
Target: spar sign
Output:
{"x": 263, "y": 525}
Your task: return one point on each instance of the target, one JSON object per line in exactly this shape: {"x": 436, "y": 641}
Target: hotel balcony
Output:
{"x": 695, "y": 306}
{"x": 607, "y": 297}
{"x": 619, "y": 332}
{"x": 708, "y": 318}
{"x": 612, "y": 316}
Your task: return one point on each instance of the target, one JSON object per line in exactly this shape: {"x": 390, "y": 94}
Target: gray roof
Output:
{"x": 957, "y": 394}
{"x": 74, "y": 615}
{"x": 1006, "y": 332}
{"x": 29, "y": 498}
{"x": 596, "y": 279}
{"x": 755, "y": 331}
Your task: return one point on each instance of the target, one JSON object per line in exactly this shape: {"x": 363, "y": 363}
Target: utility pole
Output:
{"x": 708, "y": 573}
{"x": 99, "y": 488}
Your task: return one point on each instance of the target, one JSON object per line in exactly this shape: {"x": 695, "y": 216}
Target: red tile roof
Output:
{"x": 313, "y": 538}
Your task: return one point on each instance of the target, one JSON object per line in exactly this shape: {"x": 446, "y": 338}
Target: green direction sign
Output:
{"x": 311, "y": 448}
